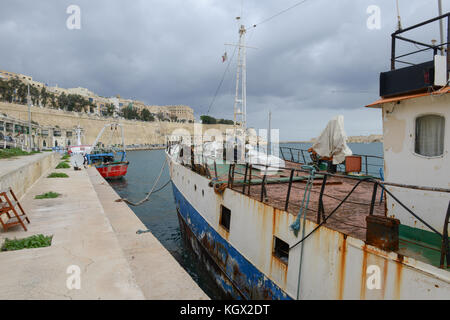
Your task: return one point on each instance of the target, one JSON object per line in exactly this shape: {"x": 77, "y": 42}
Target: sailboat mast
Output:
{"x": 240, "y": 101}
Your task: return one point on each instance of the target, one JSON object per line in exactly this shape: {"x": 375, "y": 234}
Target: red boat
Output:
{"x": 104, "y": 159}
{"x": 113, "y": 170}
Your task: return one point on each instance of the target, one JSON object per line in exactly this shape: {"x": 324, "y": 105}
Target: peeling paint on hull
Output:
{"x": 235, "y": 274}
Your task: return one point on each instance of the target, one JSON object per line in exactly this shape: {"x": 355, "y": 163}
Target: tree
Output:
{"x": 63, "y": 102}
{"x": 224, "y": 121}
{"x": 44, "y": 96}
{"x": 130, "y": 112}
{"x": 146, "y": 115}
{"x": 208, "y": 119}
{"x": 110, "y": 108}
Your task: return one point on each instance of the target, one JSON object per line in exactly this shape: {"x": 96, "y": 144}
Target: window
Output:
{"x": 430, "y": 135}
{"x": 225, "y": 217}
{"x": 281, "y": 250}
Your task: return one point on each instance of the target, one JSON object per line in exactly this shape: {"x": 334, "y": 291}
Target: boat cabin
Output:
{"x": 415, "y": 103}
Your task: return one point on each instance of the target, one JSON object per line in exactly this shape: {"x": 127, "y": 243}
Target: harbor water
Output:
{"x": 159, "y": 213}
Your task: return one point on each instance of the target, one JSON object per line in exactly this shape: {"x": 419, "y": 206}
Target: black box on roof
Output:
{"x": 407, "y": 80}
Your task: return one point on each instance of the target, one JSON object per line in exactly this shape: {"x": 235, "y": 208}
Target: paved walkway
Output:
{"x": 158, "y": 274}
{"x": 115, "y": 263}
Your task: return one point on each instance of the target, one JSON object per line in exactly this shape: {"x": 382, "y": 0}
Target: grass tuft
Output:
{"x": 48, "y": 195}
{"x": 65, "y": 157}
{"x": 57, "y": 175}
{"x": 14, "y": 152}
{"x": 63, "y": 165}
{"x": 36, "y": 241}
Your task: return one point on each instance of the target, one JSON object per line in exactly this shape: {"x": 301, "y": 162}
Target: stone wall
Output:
{"x": 26, "y": 171}
{"x": 136, "y": 132}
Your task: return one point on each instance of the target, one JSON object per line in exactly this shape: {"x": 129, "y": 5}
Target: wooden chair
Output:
{"x": 8, "y": 207}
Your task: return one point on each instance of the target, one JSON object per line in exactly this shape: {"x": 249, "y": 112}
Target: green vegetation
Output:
{"x": 14, "y": 152}
{"x": 63, "y": 165}
{"x": 211, "y": 120}
{"x": 36, "y": 241}
{"x": 48, "y": 195}
{"x": 65, "y": 157}
{"x": 57, "y": 175}
{"x": 15, "y": 91}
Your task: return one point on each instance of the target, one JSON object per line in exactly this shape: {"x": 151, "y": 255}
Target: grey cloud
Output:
{"x": 313, "y": 61}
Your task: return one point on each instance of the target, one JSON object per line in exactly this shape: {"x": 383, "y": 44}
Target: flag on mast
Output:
{"x": 224, "y": 57}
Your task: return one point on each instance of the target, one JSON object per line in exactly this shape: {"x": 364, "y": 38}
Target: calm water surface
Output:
{"x": 159, "y": 213}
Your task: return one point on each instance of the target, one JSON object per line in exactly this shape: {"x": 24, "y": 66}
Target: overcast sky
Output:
{"x": 313, "y": 62}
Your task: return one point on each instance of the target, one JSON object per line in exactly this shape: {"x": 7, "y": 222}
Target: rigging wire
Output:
{"x": 221, "y": 82}
{"x": 279, "y": 13}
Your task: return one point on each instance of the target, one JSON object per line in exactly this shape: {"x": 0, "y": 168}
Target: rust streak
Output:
{"x": 363, "y": 274}
{"x": 343, "y": 250}
{"x": 398, "y": 280}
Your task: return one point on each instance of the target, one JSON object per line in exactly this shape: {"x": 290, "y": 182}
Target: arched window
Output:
{"x": 430, "y": 135}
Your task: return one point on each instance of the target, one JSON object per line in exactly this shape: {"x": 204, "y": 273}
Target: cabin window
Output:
{"x": 281, "y": 250}
{"x": 225, "y": 217}
{"x": 430, "y": 135}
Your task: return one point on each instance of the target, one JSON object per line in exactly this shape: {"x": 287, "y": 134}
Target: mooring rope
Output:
{"x": 135, "y": 204}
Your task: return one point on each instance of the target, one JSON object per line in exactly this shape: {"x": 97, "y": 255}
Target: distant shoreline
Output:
{"x": 352, "y": 139}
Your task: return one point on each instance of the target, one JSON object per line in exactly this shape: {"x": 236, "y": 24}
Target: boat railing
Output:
{"x": 242, "y": 177}
{"x": 249, "y": 180}
{"x": 421, "y": 47}
{"x": 371, "y": 163}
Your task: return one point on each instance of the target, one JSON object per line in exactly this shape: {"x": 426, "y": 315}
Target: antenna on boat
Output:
{"x": 398, "y": 17}
{"x": 240, "y": 100}
{"x": 78, "y": 133}
{"x": 269, "y": 136}
{"x": 441, "y": 26}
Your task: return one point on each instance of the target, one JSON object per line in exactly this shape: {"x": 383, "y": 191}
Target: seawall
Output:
{"x": 20, "y": 173}
{"x": 136, "y": 132}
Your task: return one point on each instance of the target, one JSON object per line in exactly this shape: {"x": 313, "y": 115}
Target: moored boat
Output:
{"x": 110, "y": 162}
{"x": 306, "y": 233}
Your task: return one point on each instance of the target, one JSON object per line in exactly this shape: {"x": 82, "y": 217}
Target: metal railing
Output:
{"x": 370, "y": 163}
{"x": 425, "y": 47}
{"x": 251, "y": 180}
{"x": 320, "y": 211}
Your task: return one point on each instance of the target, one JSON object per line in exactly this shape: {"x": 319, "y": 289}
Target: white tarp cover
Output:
{"x": 332, "y": 141}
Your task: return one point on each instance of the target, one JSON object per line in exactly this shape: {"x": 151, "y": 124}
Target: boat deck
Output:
{"x": 349, "y": 218}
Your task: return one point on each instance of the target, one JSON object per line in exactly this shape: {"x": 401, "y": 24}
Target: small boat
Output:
{"x": 110, "y": 162}
{"x": 79, "y": 148}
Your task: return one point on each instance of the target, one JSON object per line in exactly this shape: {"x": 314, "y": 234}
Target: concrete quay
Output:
{"x": 95, "y": 234}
